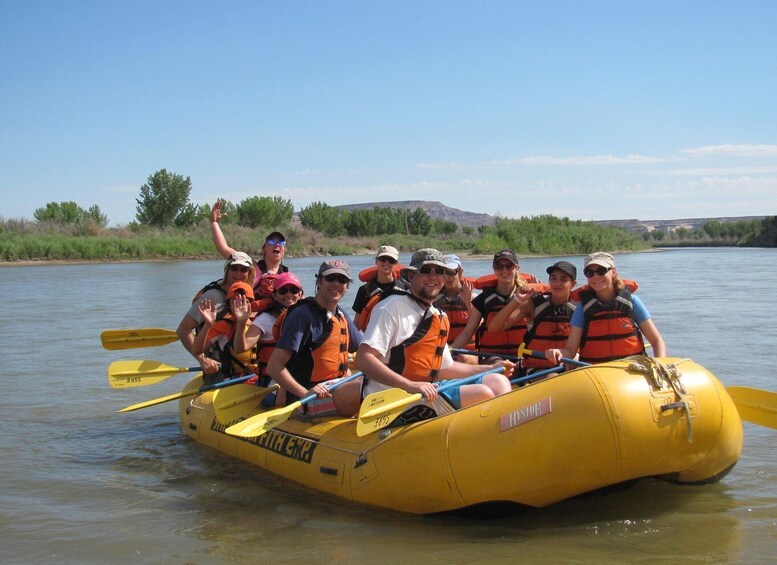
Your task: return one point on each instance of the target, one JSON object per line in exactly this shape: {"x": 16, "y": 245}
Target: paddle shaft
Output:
{"x": 203, "y": 388}
{"x": 445, "y": 385}
{"x": 535, "y": 354}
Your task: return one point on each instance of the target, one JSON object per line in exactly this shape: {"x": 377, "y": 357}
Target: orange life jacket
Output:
{"x": 363, "y": 317}
{"x": 327, "y": 357}
{"x": 490, "y": 281}
{"x": 549, "y": 330}
{"x": 371, "y": 273}
{"x": 264, "y": 348}
{"x": 419, "y": 357}
{"x": 222, "y": 350}
{"x": 610, "y": 330}
{"x": 458, "y": 316}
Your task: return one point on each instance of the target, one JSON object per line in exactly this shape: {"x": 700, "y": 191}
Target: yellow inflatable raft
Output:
{"x": 577, "y": 432}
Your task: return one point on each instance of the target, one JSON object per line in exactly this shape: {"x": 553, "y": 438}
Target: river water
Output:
{"x": 83, "y": 484}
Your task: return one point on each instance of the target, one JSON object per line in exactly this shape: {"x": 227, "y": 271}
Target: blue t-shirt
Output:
{"x": 304, "y": 325}
{"x": 640, "y": 314}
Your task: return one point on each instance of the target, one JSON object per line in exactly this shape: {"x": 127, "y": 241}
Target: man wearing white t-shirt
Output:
{"x": 405, "y": 343}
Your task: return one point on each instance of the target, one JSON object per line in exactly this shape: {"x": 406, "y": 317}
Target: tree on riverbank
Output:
{"x": 164, "y": 200}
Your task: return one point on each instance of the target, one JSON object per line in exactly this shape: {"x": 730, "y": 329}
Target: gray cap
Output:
{"x": 426, "y": 256}
{"x": 334, "y": 267}
{"x": 452, "y": 262}
{"x": 600, "y": 258}
{"x": 387, "y": 251}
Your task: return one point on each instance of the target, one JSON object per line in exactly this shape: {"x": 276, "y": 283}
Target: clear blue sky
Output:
{"x": 591, "y": 110}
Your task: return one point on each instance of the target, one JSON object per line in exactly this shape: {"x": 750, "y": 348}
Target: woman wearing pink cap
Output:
{"x": 287, "y": 291}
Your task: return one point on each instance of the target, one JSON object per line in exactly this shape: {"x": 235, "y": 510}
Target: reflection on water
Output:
{"x": 84, "y": 484}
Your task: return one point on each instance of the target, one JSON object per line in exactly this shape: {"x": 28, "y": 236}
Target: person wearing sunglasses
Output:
{"x": 237, "y": 268}
{"x": 314, "y": 339}
{"x": 509, "y": 281}
{"x": 259, "y": 335}
{"x": 273, "y": 251}
{"x": 610, "y": 322}
{"x": 405, "y": 344}
{"x": 383, "y": 281}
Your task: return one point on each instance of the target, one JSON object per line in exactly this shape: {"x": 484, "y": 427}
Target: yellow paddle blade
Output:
{"x": 191, "y": 389}
{"x": 380, "y": 408}
{"x": 755, "y": 405}
{"x": 136, "y": 338}
{"x": 261, "y": 423}
{"x": 236, "y": 401}
{"x": 122, "y": 374}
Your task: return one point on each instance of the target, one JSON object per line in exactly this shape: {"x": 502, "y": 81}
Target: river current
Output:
{"x": 83, "y": 484}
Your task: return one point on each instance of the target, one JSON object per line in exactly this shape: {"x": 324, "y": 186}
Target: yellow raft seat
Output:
{"x": 554, "y": 439}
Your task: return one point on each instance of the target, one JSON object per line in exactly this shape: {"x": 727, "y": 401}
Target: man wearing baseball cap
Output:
{"x": 383, "y": 281}
{"x": 405, "y": 344}
{"x": 312, "y": 350}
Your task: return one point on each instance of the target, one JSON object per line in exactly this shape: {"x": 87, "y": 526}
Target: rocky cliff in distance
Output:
{"x": 439, "y": 210}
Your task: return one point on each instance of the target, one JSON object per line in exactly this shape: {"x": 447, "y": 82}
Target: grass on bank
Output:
{"x": 22, "y": 240}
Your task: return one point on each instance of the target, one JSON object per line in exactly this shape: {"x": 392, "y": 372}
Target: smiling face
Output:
{"x": 561, "y": 284}
{"x": 385, "y": 266}
{"x": 331, "y": 289}
{"x": 426, "y": 286}
{"x": 600, "y": 280}
{"x": 236, "y": 273}
{"x": 287, "y": 295}
{"x": 505, "y": 271}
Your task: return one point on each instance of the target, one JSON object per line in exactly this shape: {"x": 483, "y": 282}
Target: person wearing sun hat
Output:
{"x": 609, "y": 322}
{"x": 405, "y": 344}
{"x": 273, "y": 252}
{"x": 550, "y": 313}
{"x": 237, "y": 268}
{"x": 315, "y": 338}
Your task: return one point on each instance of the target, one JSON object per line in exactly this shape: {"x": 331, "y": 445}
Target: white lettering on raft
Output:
{"x": 526, "y": 414}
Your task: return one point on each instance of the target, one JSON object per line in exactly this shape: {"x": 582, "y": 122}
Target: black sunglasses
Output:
{"x": 240, "y": 268}
{"x": 387, "y": 260}
{"x": 287, "y": 289}
{"x": 436, "y": 270}
{"x": 342, "y": 279}
{"x": 601, "y": 271}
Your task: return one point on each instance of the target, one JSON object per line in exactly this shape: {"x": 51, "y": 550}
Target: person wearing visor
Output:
{"x": 405, "y": 344}
{"x": 267, "y": 267}
{"x": 384, "y": 281}
{"x": 237, "y": 268}
{"x": 609, "y": 322}
{"x": 316, "y": 335}
{"x": 259, "y": 333}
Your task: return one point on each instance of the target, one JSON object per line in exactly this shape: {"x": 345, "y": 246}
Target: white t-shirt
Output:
{"x": 392, "y": 321}
{"x": 265, "y": 321}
